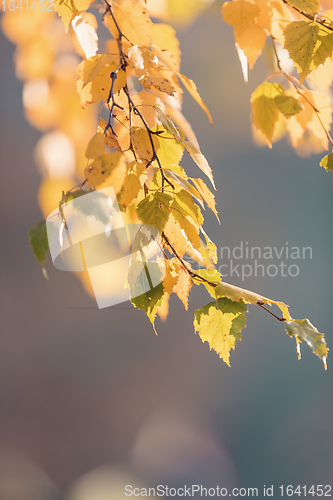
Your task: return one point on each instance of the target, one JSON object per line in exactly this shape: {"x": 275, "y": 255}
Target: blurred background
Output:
{"x": 92, "y": 400}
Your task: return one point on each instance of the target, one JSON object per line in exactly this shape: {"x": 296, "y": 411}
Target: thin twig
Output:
{"x": 261, "y": 304}
{"x": 192, "y": 273}
{"x": 113, "y": 76}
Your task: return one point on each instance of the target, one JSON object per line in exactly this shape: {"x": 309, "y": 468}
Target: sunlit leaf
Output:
{"x": 264, "y": 108}
{"x": 207, "y": 195}
{"x": 288, "y": 105}
{"x": 130, "y": 190}
{"x": 220, "y": 323}
{"x": 96, "y": 146}
{"x": 327, "y": 162}
{"x": 107, "y": 170}
{"x": 67, "y": 10}
{"x": 183, "y": 286}
{"x": 133, "y": 20}
{"x": 166, "y": 45}
{"x": 240, "y": 13}
{"x": 142, "y": 144}
{"x": 200, "y": 160}
{"x": 303, "y": 330}
{"x": 155, "y": 209}
{"x": 192, "y": 89}
{"x": 309, "y": 44}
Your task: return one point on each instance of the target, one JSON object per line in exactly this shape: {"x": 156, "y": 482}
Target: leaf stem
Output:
{"x": 261, "y": 304}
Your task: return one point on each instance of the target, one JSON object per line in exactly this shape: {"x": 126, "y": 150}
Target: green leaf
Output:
{"x": 288, "y": 105}
{"x": 309, "y": 44}
{"x": 309, "y": 6}
{"x": 264, "y": 108}
{"x": 220, "y": 323}
{"x": 154, "y": 210}
{"x": 149, "y": 301}
{"x": 39, "y": 242}
{"x": 302, "y": 329}
{"x": 327, "y": 162}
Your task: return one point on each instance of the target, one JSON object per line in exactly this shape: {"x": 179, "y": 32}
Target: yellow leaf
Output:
{"x": 171, "y": 151}
{"x": 200, "y": 160}
{"x": 190, "y": 230}
{"x": 146, "y": 101}
{"x": 171, "y": 275}
{"x": 240, "y": 14}
{"x": 96, "y": 146}
{"x": 131, "y": 188}
{"x": 173, "y": 232}
{"x": 183, "y": 287}
{"x": 161, "y": 83}
{"x": 192, "y": 89}
{"x": 68, "y": 9}
{"x": 98, "y": 88}
{"x": 165, "y": 44}
{"x": 264, "y": 108}
{"x": 209, "y": 252}
{"x": 252, "y": 42}
{"x": 206, "y": 194}
{"x": 142, "y": 144}
{"x": 274, "y": 16}
{"x": 309, "y": 44}
{"x": 133, "y": 20}
{"x": 220, "y": 323}
{"x": 107, "y": 170}
{"x": 183, "y": 183}
{"x": 110, "y": 138}
{"x": 89, "y": 69}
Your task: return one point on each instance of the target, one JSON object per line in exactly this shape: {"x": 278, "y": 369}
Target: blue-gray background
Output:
{"x": 83, "y": 388}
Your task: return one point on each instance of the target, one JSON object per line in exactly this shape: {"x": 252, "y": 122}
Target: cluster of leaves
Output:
{"x": 140, "y": 139}
{"x": 298, "y": 102}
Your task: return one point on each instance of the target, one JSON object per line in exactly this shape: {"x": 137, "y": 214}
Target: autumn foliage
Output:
{"x": 134, "y": 85}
